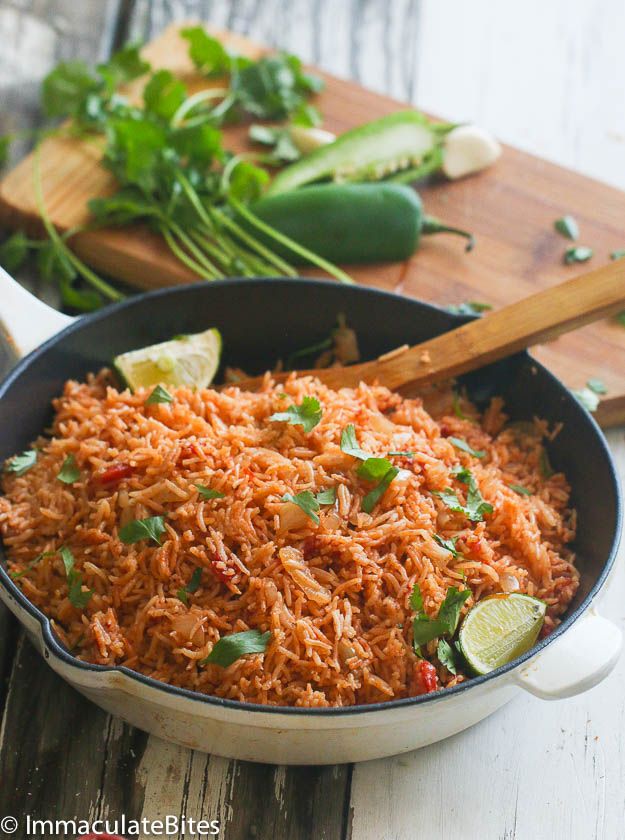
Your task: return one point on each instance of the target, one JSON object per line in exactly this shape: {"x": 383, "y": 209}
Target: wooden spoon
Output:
{"x": 541, "y": 317}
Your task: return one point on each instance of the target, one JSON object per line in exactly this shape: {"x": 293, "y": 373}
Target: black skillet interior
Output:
{"x": 261, "y": 320}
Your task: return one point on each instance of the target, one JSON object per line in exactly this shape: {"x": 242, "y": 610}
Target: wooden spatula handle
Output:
{"x": 527, "y": 322}
{"x": 539, "y": 318}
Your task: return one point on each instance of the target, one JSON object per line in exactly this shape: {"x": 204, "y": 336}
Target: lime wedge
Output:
{"x": 190, "y": 360}
{"x": 500, "y": 628}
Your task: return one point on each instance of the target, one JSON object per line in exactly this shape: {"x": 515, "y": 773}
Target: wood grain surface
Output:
{"x": 511, "y": 208}
{"x": 535, "y": 73}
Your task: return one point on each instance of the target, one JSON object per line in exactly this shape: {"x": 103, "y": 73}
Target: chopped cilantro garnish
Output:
{"x": 77, "y": 597}
{"x": 151, "y": 528}
{"x": 374, "y": 496}
{"x": 475, "y": 507}
{"x": 407, "y": 454}
{"x": 349, "y": 444}
{"x": 307, "y": 415}
{"x": 31, "y": 565}
{"x": 327, "y": 496}
{"x": 447, "y": 656}
{"x": 518, "y": 488}
{"x": 460, "y": 443}
{"x": 159, "y": 395}
{"x": 69, "y": 472}
{"x": 456, "y": 406}
{"x": 208, "y": 493}
{"x": 306, "y": 501}
{"x": 230, "y": 648}
{"x": 425, "y": 628}
{"x": 449, "y": 545}
{"x": 597, "y": 386}
{"x": 469, "y": 307}
{"x": 19, "y": 464}
{"x": 567, "y": 226}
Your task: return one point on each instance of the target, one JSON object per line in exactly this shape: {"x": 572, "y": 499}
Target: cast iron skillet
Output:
{"x": 262, "y": 319}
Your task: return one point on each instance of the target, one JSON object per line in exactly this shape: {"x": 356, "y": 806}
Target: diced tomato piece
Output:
{"x": 115, "y": 474}
{"x": 425, "y": 678}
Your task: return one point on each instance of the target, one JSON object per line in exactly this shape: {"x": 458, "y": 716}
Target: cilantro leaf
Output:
{"x": 518, "y": 488}
{"x": 449, "y": 545}
{"x": 164, "y": 94}
{"x": 457, "y": 407}
{"x": 191, "y": 587}
{"x": 470, "y": 307}
{"x": 577, "y": 254}
{"x": 447, "y": 656}
{"x": 69, "y": 472}
{"x": 77, "y": 597}
{"x": 14, "y": 251}
{"x": 597, "y": 386}
{"x": 196, "y": 579}
{"x": 124, "y": 65}
{"x": 618, "y": 254}
{"x": 159, "y": 395}
{"x": 19, "y": 464}
{"x": 208, "y": 493}
{"x": 567, "y": 226}
{"x": 230, "y": 648}
{"x": 349, "y": 444}
{"x": 374, "y": 469}
{"x": 449, "y": 612}
{"x": 416, "y": 599}
{"x": 307, "y": 415}
{"x": 460, "y": 443}
{"x": 151, "y": 528}
{"x": 206, "y": 52}
{"x": 306, "y": 501}
{"x": 475, "y": 507}
{"x": 327, "y": 496}
{"x": 373, "y": 497}
{"x": 273, "y": 87}
{"x": 31, "y": 565}
{"x": 425, "y": 628}
{"x": 66, "y": 88}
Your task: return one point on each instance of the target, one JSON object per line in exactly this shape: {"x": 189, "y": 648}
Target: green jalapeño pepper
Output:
{"x": 352, "y": 223}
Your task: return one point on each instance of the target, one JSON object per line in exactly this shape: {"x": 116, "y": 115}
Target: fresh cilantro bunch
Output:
{"x": 168, "y": 158}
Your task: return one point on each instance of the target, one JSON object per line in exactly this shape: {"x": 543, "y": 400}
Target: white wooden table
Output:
{"x": 549, "y": 77}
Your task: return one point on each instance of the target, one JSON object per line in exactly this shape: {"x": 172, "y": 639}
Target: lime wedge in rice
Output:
{"x": 500, "y": 628}
{"x": 187, "y": 360}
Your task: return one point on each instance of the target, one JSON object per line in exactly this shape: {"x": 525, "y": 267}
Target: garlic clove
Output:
{"x": 468, "y": 149}
{"x": 307, "y": 139}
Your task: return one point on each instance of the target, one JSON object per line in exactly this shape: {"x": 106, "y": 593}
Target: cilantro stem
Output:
{"x": 198, "y": 253}
{"x": 197, "y": 99}
{"x": 180, "y": 254}
{"x": 287, "y": 242}
{"x": 90, "y": 276}
{"x": 250, "y": 241}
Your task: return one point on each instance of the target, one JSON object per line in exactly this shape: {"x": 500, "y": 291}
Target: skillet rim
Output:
{"x": 239, "y": 706}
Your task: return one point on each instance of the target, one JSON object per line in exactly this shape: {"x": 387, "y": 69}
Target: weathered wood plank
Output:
{"x": 61, "y": 756}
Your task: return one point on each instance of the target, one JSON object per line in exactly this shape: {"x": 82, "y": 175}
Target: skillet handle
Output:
{"x": 578, "y": 661}
{"x": 25, "y": 321}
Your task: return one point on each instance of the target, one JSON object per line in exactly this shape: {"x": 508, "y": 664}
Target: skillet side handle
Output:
{"x": 26, "y": 322}
{"x": 577, "y": 662}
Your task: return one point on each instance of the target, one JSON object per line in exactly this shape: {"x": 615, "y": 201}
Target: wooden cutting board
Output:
{"x": 510, "y": 208}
